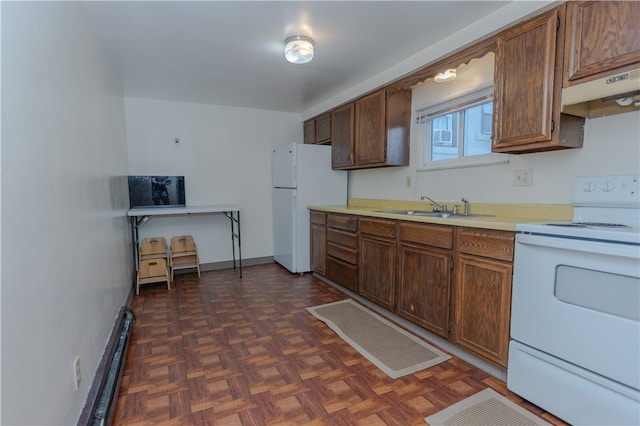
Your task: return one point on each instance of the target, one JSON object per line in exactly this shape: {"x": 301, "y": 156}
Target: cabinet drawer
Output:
{"x": 338, "y": 221}
{"x": 486, "y": 243}
{"x": 431, "y": 235}
{"x": 342, "y": 273}
{"x": 317, "y": 218}
{"x": 346, "y": 239}
{"x": 343, "y": 253}
{"x": 378, "y": 227}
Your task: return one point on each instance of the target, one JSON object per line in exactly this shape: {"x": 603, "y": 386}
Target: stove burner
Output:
{"x": 590, "y": 224}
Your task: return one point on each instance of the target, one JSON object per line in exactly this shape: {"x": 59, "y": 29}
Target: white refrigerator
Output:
{"x": 301, "y": 176}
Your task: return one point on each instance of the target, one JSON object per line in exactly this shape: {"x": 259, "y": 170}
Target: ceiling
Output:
{"x": 231, "y": 52}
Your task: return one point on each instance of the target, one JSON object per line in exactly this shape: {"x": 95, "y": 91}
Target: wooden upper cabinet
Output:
{"x": 372, "y": 131}
{"x": 323, "y": 128}
{"x": 383, "y": 120}
{"x": 309, "y": 128}
{"x": 318, "y": 130}
{"x": 342, "y": 137}
{"x": 603, "y": 38}
{"x": 528, "y": 85}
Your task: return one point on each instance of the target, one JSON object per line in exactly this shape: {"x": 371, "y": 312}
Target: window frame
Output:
{"x": 468, "y": 100}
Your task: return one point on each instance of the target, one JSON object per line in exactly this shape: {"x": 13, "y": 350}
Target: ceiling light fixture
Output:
{"x": 448, "y": 75}
{"x": 298, "y": 49}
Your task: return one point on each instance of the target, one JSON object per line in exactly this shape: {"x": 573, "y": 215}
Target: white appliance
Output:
{"x": 301, "y": 176}
{"x": 625, "y": 85}
{"x": 575, "y": 315}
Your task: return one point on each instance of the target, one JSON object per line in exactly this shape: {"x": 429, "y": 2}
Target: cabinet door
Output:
{"x": 423, "y": 287}
{"x": 377, "y": 275}
{"x": 603, "y": 37}
{"x": 318, "y": 241}
{"x": 323, "y": 128}
{"x": 483, "y": 307}
{"x": 370, "y": 140}
{"x": 318, "y": 249}
{"x": 309, "y": 129}
{"x": 398, "y": 125}
{"x": 527, "y": 84}
{"x": 342, "y": 137}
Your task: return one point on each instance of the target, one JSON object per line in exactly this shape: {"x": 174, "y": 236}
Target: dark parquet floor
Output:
{"x": 224, "y": 350}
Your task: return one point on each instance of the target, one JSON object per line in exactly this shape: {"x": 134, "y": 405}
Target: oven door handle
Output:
{"x": 597, "y": 247}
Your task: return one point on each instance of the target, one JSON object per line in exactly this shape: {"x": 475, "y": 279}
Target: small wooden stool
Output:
{"x": 184, "y": 254}
{"x": 153, "y": 248}
{"x": 152, "y": 271}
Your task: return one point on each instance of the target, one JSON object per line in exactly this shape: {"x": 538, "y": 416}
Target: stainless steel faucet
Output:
{"x": 436, "y": 206}
{"x": 466, "y": 207}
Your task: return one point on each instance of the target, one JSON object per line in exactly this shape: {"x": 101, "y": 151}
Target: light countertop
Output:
{"x": 503, "y": 216}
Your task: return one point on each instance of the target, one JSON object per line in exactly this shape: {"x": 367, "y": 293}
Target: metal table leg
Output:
{"x": 235, "y": 225}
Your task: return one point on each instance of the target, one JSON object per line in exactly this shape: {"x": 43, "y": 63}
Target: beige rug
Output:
{"x": 488, "y": 408}
{"x": 389, "y": 347}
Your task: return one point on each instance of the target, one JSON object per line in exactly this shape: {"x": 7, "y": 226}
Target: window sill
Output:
{"x": 460, "y": 163}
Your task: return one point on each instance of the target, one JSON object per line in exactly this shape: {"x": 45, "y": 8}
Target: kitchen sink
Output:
{"x": 470, "y": 215}
{"x": 411, "y": 212}
{"x": 448, "y": 215}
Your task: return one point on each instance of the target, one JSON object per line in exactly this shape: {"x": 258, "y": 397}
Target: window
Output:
{"x": 457, "y": 133}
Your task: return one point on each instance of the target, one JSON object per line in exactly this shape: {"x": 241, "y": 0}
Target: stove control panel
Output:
{"x": 607, "y": 191}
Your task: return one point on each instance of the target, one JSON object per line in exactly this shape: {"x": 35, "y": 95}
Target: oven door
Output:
{"x": 579, "y": 301}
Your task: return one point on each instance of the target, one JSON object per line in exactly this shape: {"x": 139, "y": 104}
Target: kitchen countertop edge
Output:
{"x": 504, "y": 217}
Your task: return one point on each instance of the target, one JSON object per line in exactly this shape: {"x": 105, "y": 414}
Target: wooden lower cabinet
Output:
{"x": 318, "y": 241}
{"x": 377, "y": 250}
{"x": 423, "y": 287}
{"x": 453, "y": 281}
{"x": 482, "y": 293}
{"x": 424, "y": 275}
{"x": 342, "y": 250}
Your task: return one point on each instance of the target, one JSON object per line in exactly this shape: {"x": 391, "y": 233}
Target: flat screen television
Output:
{"x": 156, "y": 191}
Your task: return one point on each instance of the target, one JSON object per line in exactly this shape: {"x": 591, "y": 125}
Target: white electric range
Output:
{"x": 575, "y": 317}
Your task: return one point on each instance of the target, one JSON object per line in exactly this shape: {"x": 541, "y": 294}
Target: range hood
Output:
{"x": 605, "y": 96}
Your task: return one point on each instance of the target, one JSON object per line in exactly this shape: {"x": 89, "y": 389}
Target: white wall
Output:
{"x": 611, "y": 146}
{"x": 224, "y": 154}
{"x": 66, "y": 260}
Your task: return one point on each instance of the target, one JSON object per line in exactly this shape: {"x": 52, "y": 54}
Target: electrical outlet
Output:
{"x": 76, "y": 371}
{"x": 523, "y": 177}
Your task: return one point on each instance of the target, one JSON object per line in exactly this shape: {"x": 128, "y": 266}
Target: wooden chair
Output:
{"x": 152, "y": 271}
{"x": 184, "y": 254}
{"x": 153, "y": 248}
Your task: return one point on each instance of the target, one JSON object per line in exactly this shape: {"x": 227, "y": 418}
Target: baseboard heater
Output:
{"x": 103, "y": 396}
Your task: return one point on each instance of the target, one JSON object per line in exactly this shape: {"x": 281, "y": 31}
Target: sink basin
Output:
{"x": 471, "y": 215}
{"x": 412, "y": 212}
{"x": 434, "y": 214}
